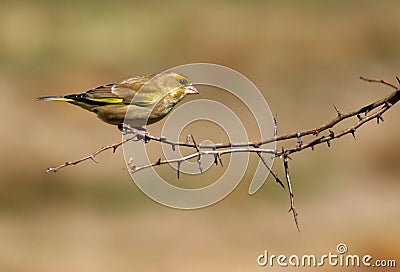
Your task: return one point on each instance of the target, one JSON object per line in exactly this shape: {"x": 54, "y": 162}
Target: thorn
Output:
{"x": 115, "y": 148}
{"x": 158, "y": 162}
{"x": 215, "y": 156}
{"x": 398, "y": 79}
{"x": 331, "y": 134}
{"x": 173, "y": 147}
{"x": 179, "y": 168}
{"x": 188, "y": 139}
{"x": 195, "y": 143}
{"x": 280, "y": 183}
{"x": 337, "y": 111}
{"x": 359, "y": 117}
{"x": 312, "y": 148}
{"x": 131, "y": 165}
{"x": 379, "y": 118}
{"x": 328, "y": 143}
{"x": 315, "y": 131}
{"x": 299, "y": 141}
{"x": 353, "y": 132}
{"x": 220, "y": 161}
{"x": 146, "y": 138}
{"x": 93, "y": 159}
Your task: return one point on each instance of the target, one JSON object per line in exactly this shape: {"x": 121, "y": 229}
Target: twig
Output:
{"x": 220, "y": 153}
{"x": 291, "y": 195}
{"x": 373, "y": 111}
{"x": 91, "y": 156}
{"x": 270, "y": 170}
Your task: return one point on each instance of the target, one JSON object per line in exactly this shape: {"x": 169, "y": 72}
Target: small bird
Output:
{"x": 136, "y": 101}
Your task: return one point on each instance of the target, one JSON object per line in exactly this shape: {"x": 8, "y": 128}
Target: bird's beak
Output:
{"x": 190, "y": 90}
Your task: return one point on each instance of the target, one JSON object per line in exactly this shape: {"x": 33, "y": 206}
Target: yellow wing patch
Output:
{"x": 108, "y": 100}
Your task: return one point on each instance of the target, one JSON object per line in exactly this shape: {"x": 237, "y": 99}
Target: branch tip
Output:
{"x": 178, "y": 168}
{"x": 291, "y": 195}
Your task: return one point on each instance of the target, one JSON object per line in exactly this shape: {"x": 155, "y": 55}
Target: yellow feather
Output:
{"x": 109, "y": 100}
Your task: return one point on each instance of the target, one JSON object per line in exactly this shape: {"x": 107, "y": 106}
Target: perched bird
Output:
{"x": 136, "y": 101}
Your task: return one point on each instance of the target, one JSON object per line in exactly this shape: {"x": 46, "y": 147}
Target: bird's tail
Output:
{"x": 54, "y": 98}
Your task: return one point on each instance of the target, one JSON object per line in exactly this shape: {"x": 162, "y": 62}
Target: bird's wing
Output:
{"x": 126, "y": 92}
{"x": 140, "y": 90}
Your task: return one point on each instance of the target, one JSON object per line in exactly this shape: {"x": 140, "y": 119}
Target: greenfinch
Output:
{"x": 136, "y": 101}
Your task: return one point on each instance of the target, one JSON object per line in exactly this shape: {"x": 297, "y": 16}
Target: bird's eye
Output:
{"x": 183, "y": 81}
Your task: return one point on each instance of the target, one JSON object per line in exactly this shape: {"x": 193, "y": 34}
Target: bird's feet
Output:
{"x": 140, "y": 132}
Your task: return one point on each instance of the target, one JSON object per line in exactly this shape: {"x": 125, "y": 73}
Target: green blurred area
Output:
{"x": 303, "y": 56}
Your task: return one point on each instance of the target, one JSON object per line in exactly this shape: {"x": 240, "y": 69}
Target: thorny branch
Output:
{"x": 373, "y": 111}
{"x": 91, "y": 156}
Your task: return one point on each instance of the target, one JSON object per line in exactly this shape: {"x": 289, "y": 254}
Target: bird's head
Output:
{"x": 174, "y": 88}
{"x": 177, "y": 86}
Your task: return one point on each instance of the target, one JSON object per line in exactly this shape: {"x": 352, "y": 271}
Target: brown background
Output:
{"x": 303, "y": 55}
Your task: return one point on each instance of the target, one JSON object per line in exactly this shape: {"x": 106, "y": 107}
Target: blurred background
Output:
{"x": 303, "y": 55}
